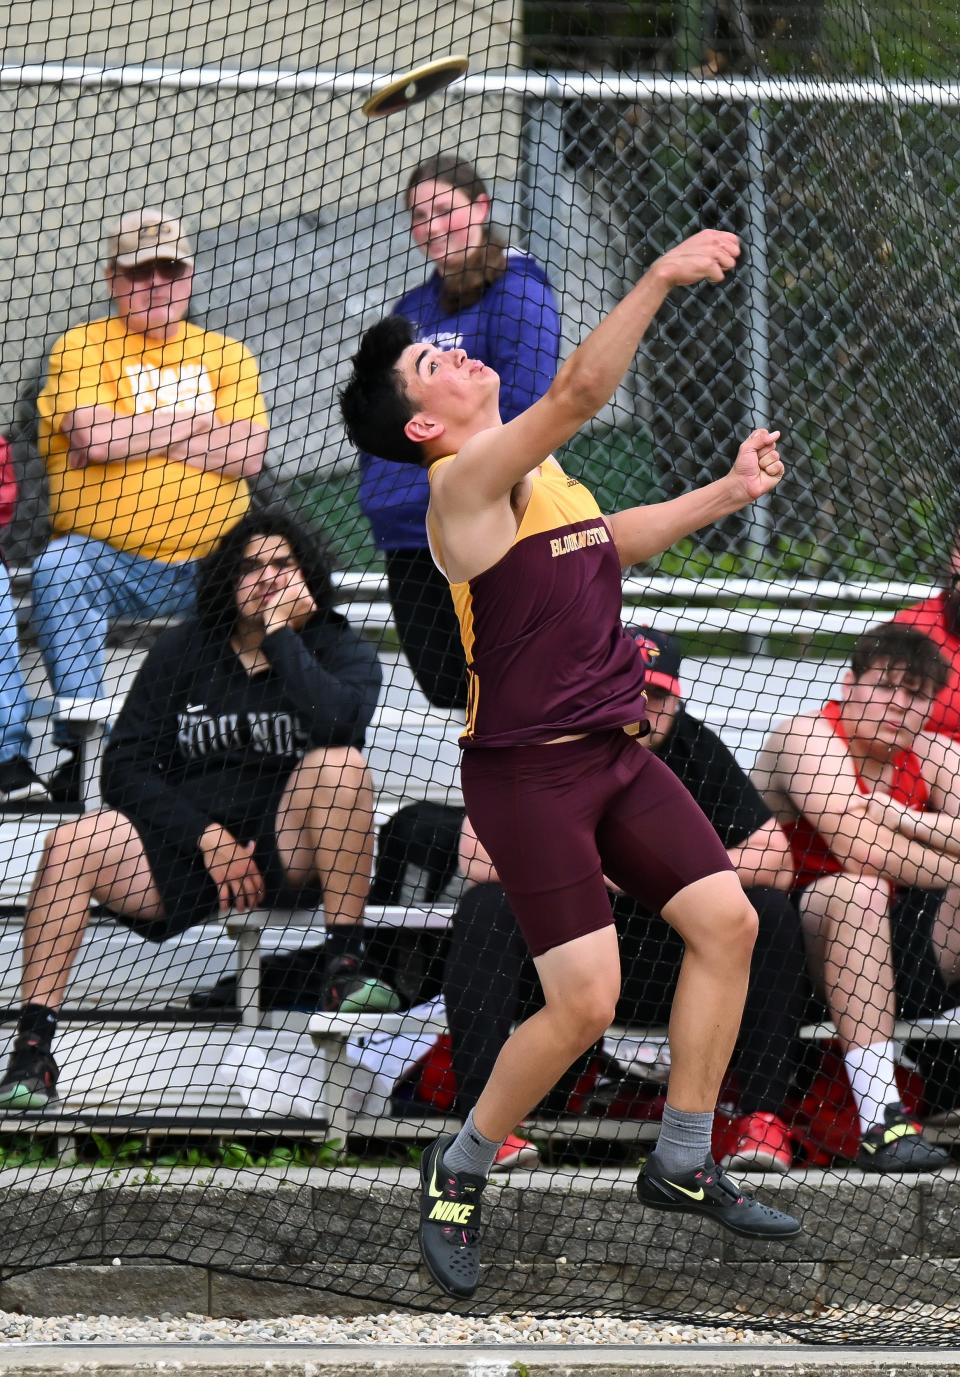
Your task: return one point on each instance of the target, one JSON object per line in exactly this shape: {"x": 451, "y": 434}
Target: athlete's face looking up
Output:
{"x": 447, "y": 389}
{"x": 446, "y": 225}
{"x": 886, "y": 708}
{"x": 662, "y": 709}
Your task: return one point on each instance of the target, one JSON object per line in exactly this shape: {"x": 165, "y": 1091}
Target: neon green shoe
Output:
{"x": 30, "y": 1082}
{"x": 371, "y": 996}
{"x": 898, "y": 1145}
{"x": 347, "y": 990}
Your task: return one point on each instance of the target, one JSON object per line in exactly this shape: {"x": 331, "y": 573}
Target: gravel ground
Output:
{"x": 389, "y": 1328}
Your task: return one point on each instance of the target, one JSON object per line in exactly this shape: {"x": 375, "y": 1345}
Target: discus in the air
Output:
{"x": 415, "y": 85}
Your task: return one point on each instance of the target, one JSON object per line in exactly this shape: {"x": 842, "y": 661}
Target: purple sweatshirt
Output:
{"x": 515, "y": 329}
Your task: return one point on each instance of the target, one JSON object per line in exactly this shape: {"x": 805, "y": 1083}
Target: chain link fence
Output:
{"x": 840, "y": 327}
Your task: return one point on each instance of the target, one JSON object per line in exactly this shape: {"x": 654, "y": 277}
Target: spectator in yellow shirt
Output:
{"x": 149, "y": 426}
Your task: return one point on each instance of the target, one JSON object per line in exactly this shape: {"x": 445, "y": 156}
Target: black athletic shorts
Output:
{"x": 246, "y": 808}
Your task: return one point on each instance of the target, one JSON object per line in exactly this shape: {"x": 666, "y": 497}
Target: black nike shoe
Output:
{"x": 710, "y": 1192}
{"x": 898, "y": 1145}
{"x": 449, "y": 1231}
{"x": 31, "y": 1077}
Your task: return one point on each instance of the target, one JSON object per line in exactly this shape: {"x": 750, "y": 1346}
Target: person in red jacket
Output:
{"x": 869, "y": 803}
{"x": 939, "y": 618}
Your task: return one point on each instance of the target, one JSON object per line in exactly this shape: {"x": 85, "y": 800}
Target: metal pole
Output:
{"x": 543, "y": 159}
{"x": 758, "y": 405}
{"x": 542, "y": 85}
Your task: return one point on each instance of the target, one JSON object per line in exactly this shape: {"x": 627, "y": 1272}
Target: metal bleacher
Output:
{"x": 138, "y": 1059}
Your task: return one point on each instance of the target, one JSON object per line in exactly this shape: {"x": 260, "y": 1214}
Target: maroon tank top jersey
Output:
{"x": 546, "y": 654}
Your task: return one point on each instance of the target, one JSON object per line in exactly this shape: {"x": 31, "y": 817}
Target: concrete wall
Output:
{"x": 250, "y": 167}
{"x": 877, "y": 1260}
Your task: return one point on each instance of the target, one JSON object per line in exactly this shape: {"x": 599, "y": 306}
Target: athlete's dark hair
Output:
{"x": 219, "y": 573}
{"x": 453, "y": 171}
{"x": 374, "y": 404}
{"x": 905, "y": 647}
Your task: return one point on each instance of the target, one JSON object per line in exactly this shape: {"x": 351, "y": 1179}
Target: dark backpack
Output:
{"x": 424, "y": 835}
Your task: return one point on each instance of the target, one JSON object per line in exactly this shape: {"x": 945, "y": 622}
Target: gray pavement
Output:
{"x": 309, "y": 1360}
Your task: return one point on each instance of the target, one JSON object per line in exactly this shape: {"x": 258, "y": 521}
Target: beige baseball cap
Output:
{"x": 143, "y": 236}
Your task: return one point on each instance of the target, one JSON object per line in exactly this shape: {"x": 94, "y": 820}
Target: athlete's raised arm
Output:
{"x": 411, "y": 402}
{"x": 490, "y": 462}
{"x": 640, "y": 533}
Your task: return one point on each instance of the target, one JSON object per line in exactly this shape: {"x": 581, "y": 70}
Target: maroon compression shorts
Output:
{"x": 556, "y": 819}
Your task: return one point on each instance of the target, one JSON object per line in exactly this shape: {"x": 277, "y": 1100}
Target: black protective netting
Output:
{"x": 252, "y": 963}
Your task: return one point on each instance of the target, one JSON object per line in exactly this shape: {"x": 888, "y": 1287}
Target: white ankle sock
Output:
{"x": 871, "y": 1072}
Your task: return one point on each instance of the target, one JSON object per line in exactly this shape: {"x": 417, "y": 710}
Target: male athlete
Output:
{"x": 556, "y": 781}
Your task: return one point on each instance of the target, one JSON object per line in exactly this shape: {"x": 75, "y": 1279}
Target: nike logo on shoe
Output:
{"x": 451, "y": 1213}
{"x": 900, "y": 1131}
{"x": 449, "y": 1231}
{"x": 891, "y": 1135}
{"x": 694, "y": 1195}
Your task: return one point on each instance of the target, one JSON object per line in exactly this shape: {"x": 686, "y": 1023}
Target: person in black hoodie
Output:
{"x": 233, "y": 778}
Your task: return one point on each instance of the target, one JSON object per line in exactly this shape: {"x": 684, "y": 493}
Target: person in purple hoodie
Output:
{"x": 495, "y": 302}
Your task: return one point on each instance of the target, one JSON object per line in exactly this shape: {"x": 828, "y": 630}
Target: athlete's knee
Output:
{"x": 725, "y": 928}
{"x": 588, "y": 1011}
{"x": 741, "y": 924}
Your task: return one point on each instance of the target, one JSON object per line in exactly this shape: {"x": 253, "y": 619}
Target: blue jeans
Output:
{"x": 14, "y": 737}
{"x": 78, "y": 585}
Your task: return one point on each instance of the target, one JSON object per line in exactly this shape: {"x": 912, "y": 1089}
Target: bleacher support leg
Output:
{"x": 246, "y": 929}
{"x": 336, "y": 1085}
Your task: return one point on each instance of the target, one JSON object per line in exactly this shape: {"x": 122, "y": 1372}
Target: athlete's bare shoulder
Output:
{"x": 452, "y": 491}
{"x": 473, "y": 534}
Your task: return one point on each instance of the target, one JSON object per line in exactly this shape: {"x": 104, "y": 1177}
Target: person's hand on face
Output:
{"x": 271, "y": 590}
{"x": 290, "y": 604}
